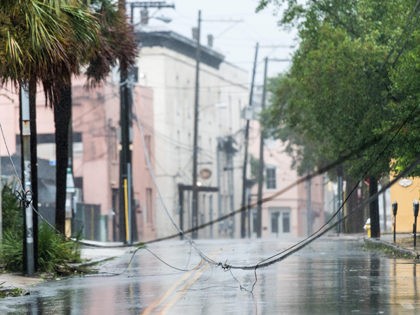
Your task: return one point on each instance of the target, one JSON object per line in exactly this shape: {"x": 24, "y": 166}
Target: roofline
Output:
{"x": 180, "y": 44}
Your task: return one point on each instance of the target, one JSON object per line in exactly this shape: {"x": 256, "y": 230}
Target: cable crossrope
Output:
{"x": 376, "y": 139}
{"x": 152, "y": 175}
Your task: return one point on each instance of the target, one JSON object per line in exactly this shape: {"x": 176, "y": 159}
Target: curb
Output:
{"x": 393, "y": 247}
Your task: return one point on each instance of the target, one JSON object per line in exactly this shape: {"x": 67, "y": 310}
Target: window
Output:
{"x": 275, "y": 222}
{"x": 280, "y": 220}
{"x": 286, "y": 221}
{"x": 271, "y": 178}
{"x": 148, "y": 144}
{"x": 149, "y": 205}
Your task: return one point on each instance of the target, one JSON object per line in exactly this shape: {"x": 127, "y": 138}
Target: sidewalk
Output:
{"x": 403, "y": 246}
{"x": 92, "y": 253}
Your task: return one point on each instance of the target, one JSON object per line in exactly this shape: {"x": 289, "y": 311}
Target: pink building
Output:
{"x": 95, "y": 115}
{"x": 297, "y": 211}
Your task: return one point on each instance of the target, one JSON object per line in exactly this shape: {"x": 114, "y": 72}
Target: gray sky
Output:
{"x": 236, "y": 40}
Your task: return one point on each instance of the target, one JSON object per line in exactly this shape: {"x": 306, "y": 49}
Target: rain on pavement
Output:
{"x": 330, "y": 276}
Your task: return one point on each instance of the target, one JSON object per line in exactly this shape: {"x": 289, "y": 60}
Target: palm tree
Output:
{"x": 116, "y": 42}
{"x": 34, "y": 44}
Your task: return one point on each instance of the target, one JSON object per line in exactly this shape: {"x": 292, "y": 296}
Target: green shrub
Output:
{"x": 12, "y": 212}
{"x": 54, "y": 251}
{"x": 11, "y": 246}
{"x": 11, "y": 251}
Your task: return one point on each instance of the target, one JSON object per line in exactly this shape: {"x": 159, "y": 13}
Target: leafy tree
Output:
{"x": 345, "y": 87}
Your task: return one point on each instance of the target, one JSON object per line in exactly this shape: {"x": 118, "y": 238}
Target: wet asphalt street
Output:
{"x": 330, "y": 276}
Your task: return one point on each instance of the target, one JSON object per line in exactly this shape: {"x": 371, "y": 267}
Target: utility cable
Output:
{"x": 150, "y": 169}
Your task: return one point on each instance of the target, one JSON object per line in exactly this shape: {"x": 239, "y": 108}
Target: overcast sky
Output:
{"x": 236, "y": 40}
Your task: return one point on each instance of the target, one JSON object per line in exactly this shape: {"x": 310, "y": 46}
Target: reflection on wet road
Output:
{"x": 330, "y": 276}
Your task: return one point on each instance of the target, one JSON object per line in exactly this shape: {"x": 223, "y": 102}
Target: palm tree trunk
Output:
{"x": 62, "y": 114}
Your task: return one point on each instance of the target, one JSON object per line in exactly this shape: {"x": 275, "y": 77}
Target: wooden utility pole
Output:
{"x": 246, "y": 140}
{"x": 125, "y": 188}
{"x": 195, "y": 132}
{"x": 261, "y": 158}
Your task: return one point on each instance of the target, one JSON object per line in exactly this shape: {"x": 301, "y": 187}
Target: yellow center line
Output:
{"x": 170, "y": 291}
{"x": 182, "y": 291}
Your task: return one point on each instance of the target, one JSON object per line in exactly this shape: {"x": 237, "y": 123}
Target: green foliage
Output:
{"x": 354, "y": 79}
{"x": 41, "y": 39}
{"x": 12, "y": 212}
{"x": 54, "y": 251}
{"x": 11, "y": 251}
{"x": 254, "y": 162}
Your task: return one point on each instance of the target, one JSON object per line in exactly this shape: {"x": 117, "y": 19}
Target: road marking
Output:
{"x": 171, "y": 290}
{"x": 182, "y": 291}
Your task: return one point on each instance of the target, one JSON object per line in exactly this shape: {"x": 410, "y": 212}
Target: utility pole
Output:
{"x": 145, "y": 5}
{"x": 125, "y": 152}
{"x": 195, "y": 132}
{"x": 246, "y": 140}
{"x": 261, "y": 159}
{"x": 28, "y": 243}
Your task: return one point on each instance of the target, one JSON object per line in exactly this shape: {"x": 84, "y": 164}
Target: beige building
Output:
{"x": 405, "y": 193}
{"x": 167, "y": 65}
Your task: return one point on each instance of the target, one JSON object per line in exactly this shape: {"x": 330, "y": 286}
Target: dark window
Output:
{"x": 286, "y": 222}
{"x": 271, "y": 178}
{"x": 275, "y": 222}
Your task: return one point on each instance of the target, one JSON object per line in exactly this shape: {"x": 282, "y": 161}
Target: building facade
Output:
{"x": 167, "y": 64}
{"x": 295, "y": 210}
{"x": 95, "y": 158}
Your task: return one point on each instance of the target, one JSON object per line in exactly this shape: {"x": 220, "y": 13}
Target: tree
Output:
{"x": 344, "y": 88}
{"x": 115, "y": 42}
{"x": 34, "y": 43}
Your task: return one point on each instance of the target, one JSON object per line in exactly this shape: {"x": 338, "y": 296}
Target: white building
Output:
{"x": 167, "y": 63}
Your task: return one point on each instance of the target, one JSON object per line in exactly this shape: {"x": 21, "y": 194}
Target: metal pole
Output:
{"x": 246, "y": 136}
{"x": 181, "y": 209}
{"x": 26, "y": 172}
{"x": 416, "y": 213}
{"x": 261, "y": 161}
{"x": 196, "y": 117}
{"x": 394, "y": 212}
